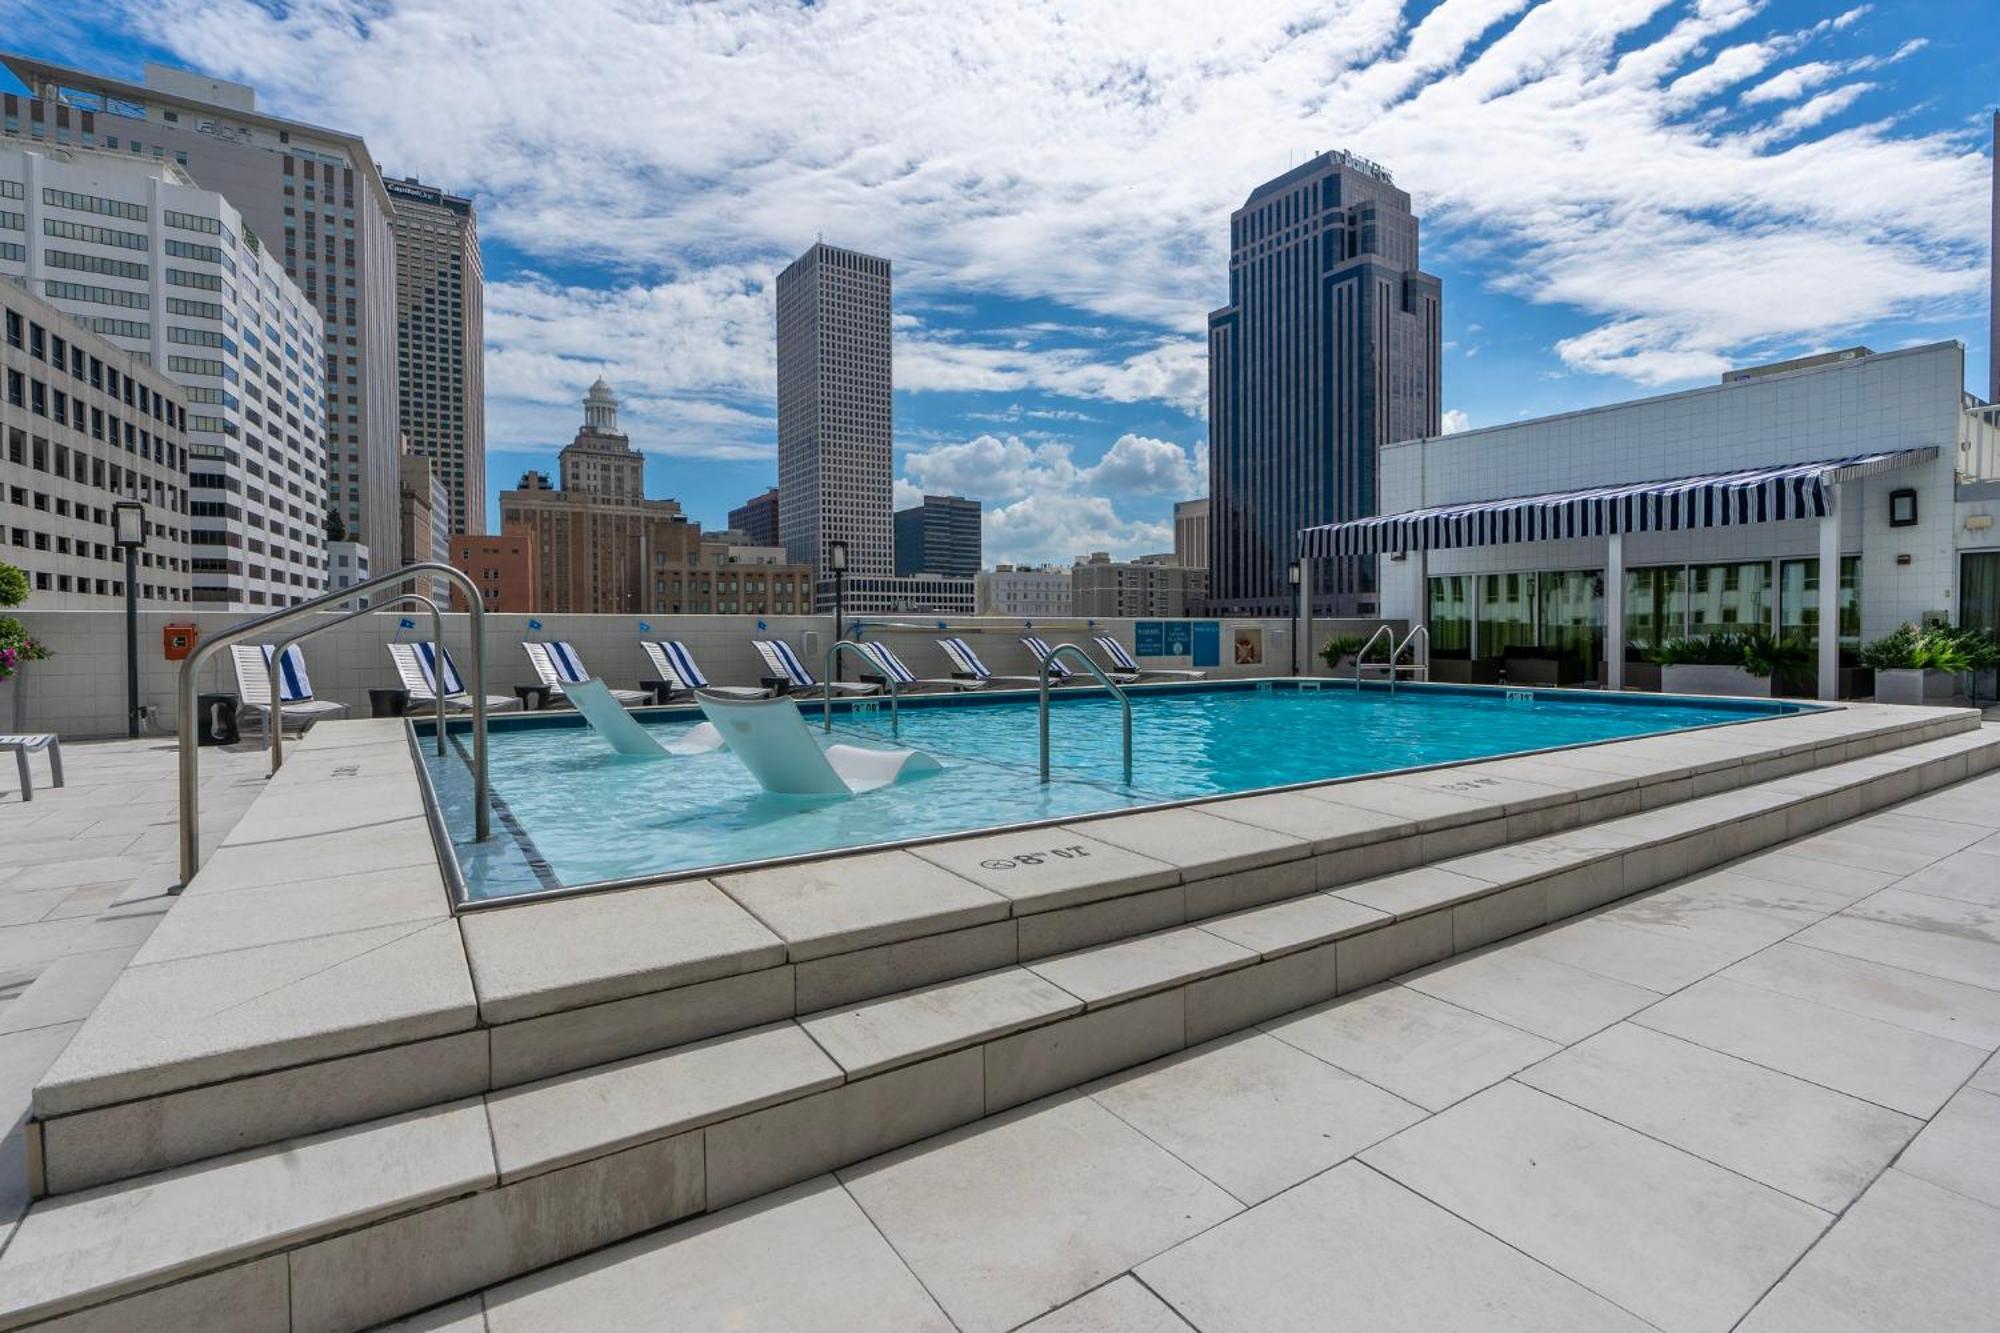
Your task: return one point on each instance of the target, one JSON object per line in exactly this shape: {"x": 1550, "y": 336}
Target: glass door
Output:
{"x": 1506, "y": 613}
{"x": 1571, "y": 620}
{"x": 1729, "y": 599}
{"x": 1655, "y": 608}
{"x": 1450, "y": 614}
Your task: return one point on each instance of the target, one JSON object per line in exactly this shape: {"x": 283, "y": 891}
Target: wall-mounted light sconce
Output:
{"x": 1905, "y": 558}
{"x": 1978, "y": 522}
{"x": 1903, "y": 508}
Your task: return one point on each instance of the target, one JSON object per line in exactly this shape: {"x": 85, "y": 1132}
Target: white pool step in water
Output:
{"x": 345, "y": 1229}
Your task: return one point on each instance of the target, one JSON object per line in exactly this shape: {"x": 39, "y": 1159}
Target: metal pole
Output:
{"x": 839, "y": 608}
{"x": 131, "y": 642}
{"x": 1045, "y": 716}
{"x": 278, "y": 652}
{"x": 476, "y": 627}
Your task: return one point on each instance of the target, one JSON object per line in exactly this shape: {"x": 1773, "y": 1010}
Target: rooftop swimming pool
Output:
{"x": 571, "y": 813}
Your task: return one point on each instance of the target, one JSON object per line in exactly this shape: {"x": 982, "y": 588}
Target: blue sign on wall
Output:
{"x": 1207, "y": 643}
{"x": 1148, "y": 638}
{"x": 1180, "y": 641}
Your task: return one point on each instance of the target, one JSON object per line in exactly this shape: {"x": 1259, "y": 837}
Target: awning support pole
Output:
{"x": 1829, "y": 595}
{"x": 1614, "y": 612}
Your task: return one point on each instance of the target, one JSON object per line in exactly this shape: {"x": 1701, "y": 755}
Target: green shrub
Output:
{"x": 1701, "y": 650}
{"x": 1339, "y": 647}
{"x": 1767, "y": 656}
{"x": 13, "y": 585}
{"x": 1933, "y": 648}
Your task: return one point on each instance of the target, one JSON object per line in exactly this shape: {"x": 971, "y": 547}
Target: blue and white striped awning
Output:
{"x": 1724, "y": 499}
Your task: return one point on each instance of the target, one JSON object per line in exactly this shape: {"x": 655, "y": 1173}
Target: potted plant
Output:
{"x": 1338, "y": 652}
{"x": 1785, "y": 662}
{"x": 16, "y": 648}
{"x": 1712, "y": 664}
{"x": 1922, "y": 666}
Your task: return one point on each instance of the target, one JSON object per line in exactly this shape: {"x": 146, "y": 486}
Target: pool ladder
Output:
{"x": 1395, "y": 667}
{"x": 1085, "y": 661}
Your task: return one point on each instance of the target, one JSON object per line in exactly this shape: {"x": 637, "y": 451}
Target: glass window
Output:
{"x": 1978, "y": 591}
{"x": 1798, "y": 602}
{"x": 1655, "y": 608}
{"x": 1572, "y": 616}
{"x": 1449, "y": 613}
{"x": 1729, "y": 599}
{"x": 1506, "y": 613}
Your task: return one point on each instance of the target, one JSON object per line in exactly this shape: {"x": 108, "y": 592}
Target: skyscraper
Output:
{"x": 757, "y": 518}
{"x": 134, "y": 250}
{"x": 834, "y": 460}
{"x": 315, "y": 199}
{"x": 1327, "y": 350}
{"x": 939, "y": 536}
{"x": 440, "y": 342}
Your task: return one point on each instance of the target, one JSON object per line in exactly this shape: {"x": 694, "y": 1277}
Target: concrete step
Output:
{"x": 313, "y": 977}
{"x": 346, "y": 1229}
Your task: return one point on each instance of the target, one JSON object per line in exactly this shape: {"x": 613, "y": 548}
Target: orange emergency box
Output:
{"x": 177, "y": 641}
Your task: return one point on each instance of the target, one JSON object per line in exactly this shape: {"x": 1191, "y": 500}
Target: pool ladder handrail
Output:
{"x": 278, "y": 656}
{"x": 1395, "y": 666}
{"x": 826, "y": 685}
{"x": 1089, "y": 664}
{"x": 190, "y": 677}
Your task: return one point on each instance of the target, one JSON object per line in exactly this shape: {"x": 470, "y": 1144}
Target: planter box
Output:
{"x": 1465, "y": 670}
{"x": 1551, "y": 672}
{"x": 1915, "y": 687}
{"x": 1686, "y": 679}
{"x": 13, "y": 704}
{"x": 1642, "y": 675}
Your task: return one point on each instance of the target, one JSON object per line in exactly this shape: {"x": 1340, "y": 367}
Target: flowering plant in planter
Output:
{"x": 15, "y": 645}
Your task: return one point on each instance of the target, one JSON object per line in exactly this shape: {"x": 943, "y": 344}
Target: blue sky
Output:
{"x": 1621, "y": 196}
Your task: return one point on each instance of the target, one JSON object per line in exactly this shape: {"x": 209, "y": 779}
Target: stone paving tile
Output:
{"x": 1880, "y": 1062}
{"x": 466, "y": 1316}
{"x": 1782, "y": 867}
{"x": 1939, "y": 953}
{"x": 1124, "y": 1306}
{"x": 853, "y": 902}
{"x": 803, "y": 1256}
{"x": 1012, "y": 1217}
{"x": 1024, "y": 868}
{"x": 1915, "y": 1000}
{"x": 1418, "y": 1047}
{"x": 1969, "y": 876}
{"x": 66, "y": 990}
{"x": 24, "y": 1057}
{"x": 1253, "y": 1114}
{"x": 1814, "y": 1144}
{"x": 1960, "y": 1148}
{"x": 1907, "y": 1255}
{"x": 1988, "y": 1077}
{"x": 1532, "y": 993}
{"x": 1658, "y": 960}
{"x": 881, "y": 1034}
{"x": 1352, "y": 1249}
{"x": 1201, "y": 844}
{"x": 1673, "y": 1239}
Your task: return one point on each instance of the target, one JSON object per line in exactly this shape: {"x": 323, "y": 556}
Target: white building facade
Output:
{"x": 133, "y": 250}
{"x": 1011, "y": 590}
{"x": 1913, "y": 536}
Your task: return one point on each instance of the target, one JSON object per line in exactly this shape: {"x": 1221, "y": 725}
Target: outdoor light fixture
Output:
{"x": 1903, "y": 508}
{"x": 128, "y": 533}
{"x": 836, "y": 560}
{"x": 1293, "y": 572}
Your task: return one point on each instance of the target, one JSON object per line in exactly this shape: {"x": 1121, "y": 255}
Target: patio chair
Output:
{"x": 1122, "y": 663}
{"x": 1058, "y": 673}
{"x": 594, "y": 700}
{"x": 786, "y": 667}
{"x": 966, "y": 663}
{"x": 558, "y": 664}
{"x": 893, "y": 668}
{"x": 296, "y": 703}
{"x": 419, "y": 665}
{"x": 770, "y": 736}
{"x": 677, "y": 668}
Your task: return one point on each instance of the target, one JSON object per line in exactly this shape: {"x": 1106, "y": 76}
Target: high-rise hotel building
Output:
{"x": 132, "y": 249}
{"x": 440, "y": 342}
{"x": 315, "y": 198}
{"x": 834, "y": 458}
{"x": 1327, "y": 351}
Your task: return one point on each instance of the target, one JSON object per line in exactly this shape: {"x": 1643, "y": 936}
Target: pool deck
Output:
{"x": 1765, "y": 1094}
{"x": 316, "y": 1098}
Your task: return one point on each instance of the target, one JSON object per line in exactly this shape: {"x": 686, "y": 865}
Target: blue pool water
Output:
{"x": 571, "y": 812}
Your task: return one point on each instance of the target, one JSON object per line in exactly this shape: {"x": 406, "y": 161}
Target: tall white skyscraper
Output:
{"x": 132, "y": 249}
{"x": 834, "y": 464}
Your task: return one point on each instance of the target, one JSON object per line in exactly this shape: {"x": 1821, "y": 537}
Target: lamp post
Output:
{"x": 836, "y": 560}
{"x": 1292, "y": 575}
{"x": 128, "y": 533}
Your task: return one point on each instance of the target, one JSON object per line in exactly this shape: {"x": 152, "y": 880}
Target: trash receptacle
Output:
{"x": 215, "y": 720}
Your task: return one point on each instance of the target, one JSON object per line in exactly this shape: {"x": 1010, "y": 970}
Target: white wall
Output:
{"x": 80, "y": 692}
{"x": 1894, "y": 400}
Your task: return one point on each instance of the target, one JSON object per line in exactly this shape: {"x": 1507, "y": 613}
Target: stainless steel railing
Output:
{"x": 826, "y": 685}
{"x": 1090, "y": 665}
{"x": 190, "y": 677}
{"x": 1380, "y": 632}
{"x": 278, "y": 654}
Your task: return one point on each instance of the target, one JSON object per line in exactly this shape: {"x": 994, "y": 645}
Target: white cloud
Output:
{"x": 1041, "y": 505}
{"x": 1790, "y": 83}
{"x": 1089, "y": 156}
{"x": 1455, "y": 421}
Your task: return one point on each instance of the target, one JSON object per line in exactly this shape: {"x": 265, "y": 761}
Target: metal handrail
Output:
{"x": 1396, "y": 658}
{"x": 1380, "y": 630}
{"x": 826, "y": 685}
{"x": 1090, "y": 665}
{"x": 278, "y": 655}
{"x": 190, "y": 758}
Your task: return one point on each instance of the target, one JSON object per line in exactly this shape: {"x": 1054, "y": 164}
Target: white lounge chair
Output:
{"x": 1058, "y": 673}
{"x": 419, "y": 665}
{"x": 559, "y": 664}
{"x": 677, "y": 668}
{"x": 1122, "y": 662}
{"x": 770, "y": 736}
{"x": 965, "y": 662}
{"x": 786, "y": 666}
{"x": 296, "y": 704}
{"x": 623, "y": 733}
{"x": 893, "y": 668}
